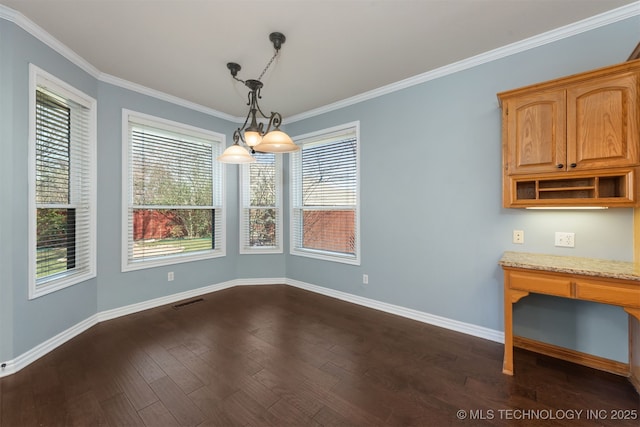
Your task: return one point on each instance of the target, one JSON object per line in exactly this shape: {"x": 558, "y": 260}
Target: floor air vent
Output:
{"x": 183, "y": 304}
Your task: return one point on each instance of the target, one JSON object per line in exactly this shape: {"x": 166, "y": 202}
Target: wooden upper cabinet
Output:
{"x": 602, "y": 122}
{"x": 573, "y": 140}
{"x": 578, "y": 124}
{"x": 535, "y": 132}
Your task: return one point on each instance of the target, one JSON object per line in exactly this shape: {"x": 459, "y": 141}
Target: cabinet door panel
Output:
{"x": 536, "y": 132}
{"x": 602, "y": 122}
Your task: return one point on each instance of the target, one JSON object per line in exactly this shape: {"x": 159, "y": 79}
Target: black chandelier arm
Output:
{"x": 246, "y": 120}
{"x": 252, "y": 98}
{"x": 237, "y": 136}
{"x": 274, "y": 121}
{"x": 261, "y": 113}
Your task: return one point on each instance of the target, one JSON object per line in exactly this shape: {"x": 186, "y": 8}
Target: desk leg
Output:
{"x": 634, "y": 347}
{"x": 511, "y": 296}
{"x": 507, "y": 364}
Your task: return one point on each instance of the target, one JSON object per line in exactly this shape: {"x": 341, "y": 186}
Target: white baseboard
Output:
{"x": 169, "y": 299}
{"x": 254, "y": 282}
{"x": 25, "y": 359}
{"x": 420, "y": 316}
{"x": 15, "y": 365}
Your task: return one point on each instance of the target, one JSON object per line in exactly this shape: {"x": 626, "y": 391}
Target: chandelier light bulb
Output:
{"x": 252, "y": 137}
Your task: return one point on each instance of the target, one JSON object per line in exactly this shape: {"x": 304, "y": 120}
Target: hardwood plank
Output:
{"x": 277, "y": 355}
{"x": 211, "y": 405}
{"x": 104, "y": 384}
{"x": 299, "y": 398}
{"x": 215, "y": 379}
{"x": 330, "y": 418}
{"x": 146, "y": 366}
{"x": 85, "y": 410}
{"x": 324, "y": 396}
{"x": 261, "y": 394}
{"x": 135, "y": 387}
{"x": 243, "y": 410}
{"x": 283, "y": 413}
{"x": 48, "y": 393}
{"x": 177, "y": 402}
{"x": 157, "y": 415}
{"x": 18, "y": 408}
{"x": 174, "y": 369}
{"x": 120, "y": 412}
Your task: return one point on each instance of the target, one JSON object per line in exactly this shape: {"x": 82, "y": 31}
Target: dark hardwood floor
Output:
{"x": 281, "y": 356}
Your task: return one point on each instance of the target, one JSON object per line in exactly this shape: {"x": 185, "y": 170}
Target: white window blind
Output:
{"x": 325, "y": 195}
{"x": 261, "y": 210}
{"x": 174, "y": 193}
{"x": 63, "y": 163}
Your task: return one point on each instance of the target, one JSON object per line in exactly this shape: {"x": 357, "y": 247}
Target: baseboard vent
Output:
{"x": 183, "y": 304}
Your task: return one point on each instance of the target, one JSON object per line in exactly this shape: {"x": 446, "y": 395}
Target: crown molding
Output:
{"x": 573, "y": 29}
{"x": 38, "y": 32}
{"x": 134, "y": 87}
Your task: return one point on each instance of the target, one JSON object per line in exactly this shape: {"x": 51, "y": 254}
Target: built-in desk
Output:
{"x": 603, "y": 281}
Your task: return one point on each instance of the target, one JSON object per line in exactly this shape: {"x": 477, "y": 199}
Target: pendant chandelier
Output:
{"x": 252, "y": 137}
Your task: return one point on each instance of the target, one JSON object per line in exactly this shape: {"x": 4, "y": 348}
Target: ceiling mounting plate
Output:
{"x": 277, "y": 39}
{"x": 234, "y": 68}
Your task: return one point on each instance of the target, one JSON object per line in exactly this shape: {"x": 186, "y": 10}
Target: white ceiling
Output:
{"x": 334, "y": 49}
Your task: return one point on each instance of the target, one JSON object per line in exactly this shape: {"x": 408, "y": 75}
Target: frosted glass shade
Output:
{"x": 236, "y": 154}
{"x": 277, "y": 141}
{"x": 252, "y": 138}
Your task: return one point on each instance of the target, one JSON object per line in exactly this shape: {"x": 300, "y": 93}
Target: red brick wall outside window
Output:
{"x": 326, "y": 230}
{"x": 149, "y": 225}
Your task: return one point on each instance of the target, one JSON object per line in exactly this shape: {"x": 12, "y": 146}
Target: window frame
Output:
{"x": 38, "y": 78}
{"x": 244, "y": 181}
{"x": 294, "y": 204}
{"x": 218, "y": 142}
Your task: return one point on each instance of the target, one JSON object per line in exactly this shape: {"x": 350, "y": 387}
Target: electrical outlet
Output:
{"x": 365, "y": 279}
{"x": 565, "y": 240}
{"x": 170, "y": 276}
{"x": 518, "y": 236}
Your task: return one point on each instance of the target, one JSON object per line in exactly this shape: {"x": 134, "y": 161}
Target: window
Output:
{"x": 173, "y": 193}
{"x": 325, "y": 211}
{"x": 261, "y": 210}
{"x": 62, "y": 145}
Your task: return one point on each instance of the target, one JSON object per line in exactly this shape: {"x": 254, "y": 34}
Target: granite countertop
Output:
{"x": 572, "y": 265}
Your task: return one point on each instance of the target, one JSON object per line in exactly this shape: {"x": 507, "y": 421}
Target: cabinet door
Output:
{"x": 535, "y": 132}
{"x": 602, "y": 122}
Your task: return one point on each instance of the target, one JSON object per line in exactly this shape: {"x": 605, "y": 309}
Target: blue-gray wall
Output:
{"x": 7, "y": 192}
{"x": 433, "y": 228}
{"x": 115, "y": 288}
{"x": 26, "y": 323}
